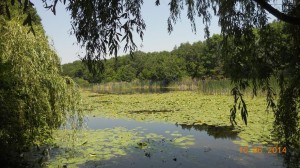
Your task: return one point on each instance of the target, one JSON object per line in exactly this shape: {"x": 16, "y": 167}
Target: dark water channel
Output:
{"x": 213, "y": 148}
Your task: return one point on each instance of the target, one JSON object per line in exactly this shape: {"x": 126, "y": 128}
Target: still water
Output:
{"x": 213, "y": 147}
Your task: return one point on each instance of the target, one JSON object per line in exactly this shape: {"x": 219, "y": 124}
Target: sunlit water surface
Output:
{"x": 213, "y": 148}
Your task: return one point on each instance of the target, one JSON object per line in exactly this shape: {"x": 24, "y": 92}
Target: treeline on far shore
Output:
{"x": 198, "y": 61}
{"x": 185, "y": 64}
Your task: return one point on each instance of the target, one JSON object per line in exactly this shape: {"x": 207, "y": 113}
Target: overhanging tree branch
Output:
{"x": 281, "y": 16}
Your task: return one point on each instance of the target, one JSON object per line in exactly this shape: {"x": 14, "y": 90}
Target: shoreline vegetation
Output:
{"x": 209, "y": 87}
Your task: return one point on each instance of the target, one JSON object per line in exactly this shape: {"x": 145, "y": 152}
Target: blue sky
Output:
{"x": 156, "y": 36}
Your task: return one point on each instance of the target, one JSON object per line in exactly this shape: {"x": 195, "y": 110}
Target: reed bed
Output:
{"x": 208, "y": 87}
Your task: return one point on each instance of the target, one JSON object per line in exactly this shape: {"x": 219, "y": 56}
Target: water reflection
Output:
{"x": 213, "y": 147}
{"x": 223, "y": 132}
{"x": 206, "y": 131}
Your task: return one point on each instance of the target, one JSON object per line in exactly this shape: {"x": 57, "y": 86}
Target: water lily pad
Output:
{"x": 187, "y": 108}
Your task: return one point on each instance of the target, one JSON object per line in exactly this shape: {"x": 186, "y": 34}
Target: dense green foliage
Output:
{"x": 34, "y": 98}
{"x": 199, "y": 60}
{"x": 203, "y": 60}
{"x": 101, "y": 25}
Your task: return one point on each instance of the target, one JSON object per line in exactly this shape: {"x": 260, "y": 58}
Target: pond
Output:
{"x": 173, "y": 129}
{"x": 169, "y": 145}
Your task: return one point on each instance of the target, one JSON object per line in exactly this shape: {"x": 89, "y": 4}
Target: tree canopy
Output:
{"x": 100, "y": 25}
{"x": 200, "y": 60}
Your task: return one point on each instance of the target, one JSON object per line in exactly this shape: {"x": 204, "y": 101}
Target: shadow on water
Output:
{"x": 214, "y": 131}
{"x": 162, "y": 152}
{"x": 212, "y": 147}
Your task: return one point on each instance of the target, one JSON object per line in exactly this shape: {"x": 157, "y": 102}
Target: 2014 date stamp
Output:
{"x": 261, "y": 149}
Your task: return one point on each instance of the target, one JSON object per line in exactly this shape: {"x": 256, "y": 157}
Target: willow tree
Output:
{"x": 34, "y": 98}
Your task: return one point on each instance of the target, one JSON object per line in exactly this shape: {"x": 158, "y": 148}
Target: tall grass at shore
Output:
{"x": 209, "y": 87}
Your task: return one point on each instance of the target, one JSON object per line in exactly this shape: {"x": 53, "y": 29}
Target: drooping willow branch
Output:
{"x": 239, "y": 104}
